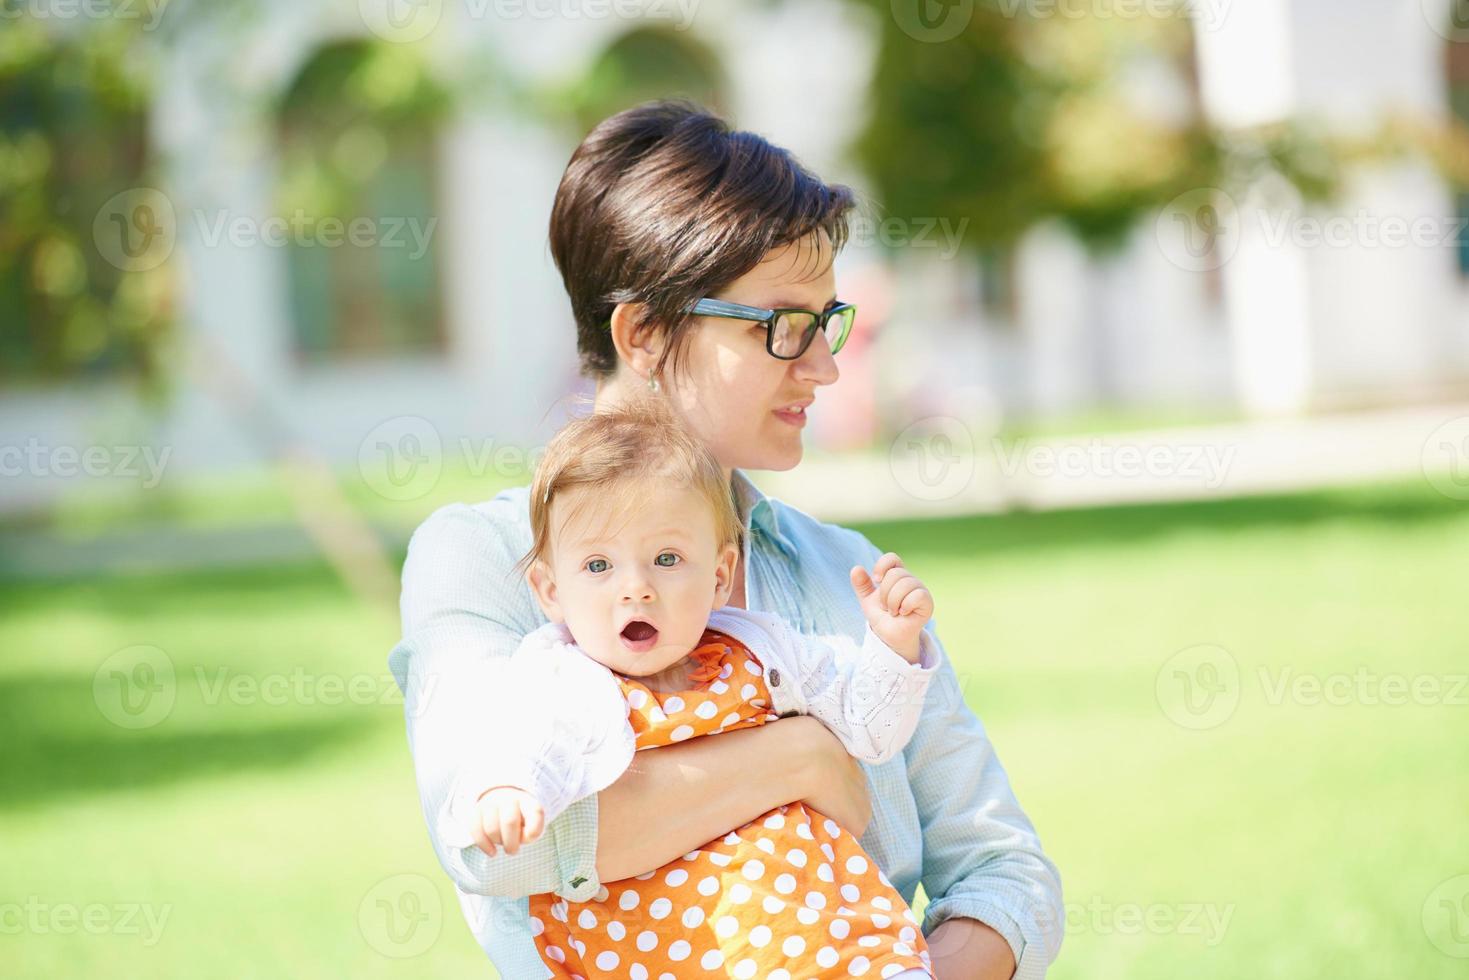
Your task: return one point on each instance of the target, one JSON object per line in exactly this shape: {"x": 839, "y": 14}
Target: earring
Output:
{"x": 652, "y": 383}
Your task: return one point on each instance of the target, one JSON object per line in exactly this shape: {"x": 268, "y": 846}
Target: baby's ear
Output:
{"x": 724, "y": 575}
{"x": 543, "y": 583}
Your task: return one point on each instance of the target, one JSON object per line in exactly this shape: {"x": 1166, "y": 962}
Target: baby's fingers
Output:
{"x": 901, "y": 590}
{"x": 885, "y": 564}
{"x": 486, "y": 832}
{"x": 510, "y": 824}
{"x": 535, "y": 820}
{"x": 919, "y": 601}
{"x": 896, "y": 585}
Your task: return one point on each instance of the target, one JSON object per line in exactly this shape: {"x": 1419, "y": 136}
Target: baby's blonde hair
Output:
{"x": 613, "y": 454}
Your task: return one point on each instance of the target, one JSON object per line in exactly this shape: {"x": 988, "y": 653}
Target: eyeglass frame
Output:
{"x": 737, "y": 311}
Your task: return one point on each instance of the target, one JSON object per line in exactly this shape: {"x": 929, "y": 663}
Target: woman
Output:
{"x": 661, "y": 208}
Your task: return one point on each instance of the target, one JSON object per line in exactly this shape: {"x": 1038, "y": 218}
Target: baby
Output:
{"x": 635, "y": 544}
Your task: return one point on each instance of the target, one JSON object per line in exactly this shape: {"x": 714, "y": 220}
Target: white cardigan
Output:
{"x": 556, "y": 721}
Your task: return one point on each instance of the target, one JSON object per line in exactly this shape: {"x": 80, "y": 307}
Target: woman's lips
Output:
{"x": 639, "y": 636}
{"x": 798, "y": 419}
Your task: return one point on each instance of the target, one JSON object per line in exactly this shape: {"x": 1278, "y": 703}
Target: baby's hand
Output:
{"x": 895, "y": 602}
{"x": 506, "y": 816}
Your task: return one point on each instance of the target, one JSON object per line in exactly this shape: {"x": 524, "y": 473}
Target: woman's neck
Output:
{"x": 621, "y": 388}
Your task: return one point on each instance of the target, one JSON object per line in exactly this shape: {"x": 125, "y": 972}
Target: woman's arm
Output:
{"x": 982, "y": 859}
{"x": 678, "y": 797}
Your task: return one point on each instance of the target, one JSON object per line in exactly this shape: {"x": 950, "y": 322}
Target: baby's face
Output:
{"x": 636, "y": 590}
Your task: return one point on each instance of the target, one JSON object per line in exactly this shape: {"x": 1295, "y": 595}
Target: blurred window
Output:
{"x": 358, "y": 196}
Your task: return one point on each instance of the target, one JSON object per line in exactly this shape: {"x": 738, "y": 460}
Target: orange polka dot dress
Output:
{"x": 788, "y": 896}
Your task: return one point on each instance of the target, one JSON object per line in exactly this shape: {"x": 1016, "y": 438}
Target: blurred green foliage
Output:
{"x": 73, "y": 133}
{"x": 1092, "y": 121}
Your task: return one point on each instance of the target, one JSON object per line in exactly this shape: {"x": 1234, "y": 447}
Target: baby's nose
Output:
{"x": 638, "y": 589}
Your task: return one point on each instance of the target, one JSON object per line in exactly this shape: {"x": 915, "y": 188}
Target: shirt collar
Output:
{"x": 757, "y": 512}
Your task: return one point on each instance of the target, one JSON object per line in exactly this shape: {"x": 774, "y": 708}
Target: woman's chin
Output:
{"x": 778, "y": 454}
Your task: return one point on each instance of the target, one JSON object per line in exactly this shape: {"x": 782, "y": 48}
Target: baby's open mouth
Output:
{"x": 639, "y": 636}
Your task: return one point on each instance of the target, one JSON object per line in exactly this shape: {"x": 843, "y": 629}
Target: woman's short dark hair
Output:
{"x": 663, "y": 204}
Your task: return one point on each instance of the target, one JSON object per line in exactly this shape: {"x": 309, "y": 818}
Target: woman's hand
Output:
{"x": 835, "y": 781}
{"x": 506, "y": 816}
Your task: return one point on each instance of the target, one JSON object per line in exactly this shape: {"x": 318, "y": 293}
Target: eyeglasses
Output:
{"x": 788, "y": 331}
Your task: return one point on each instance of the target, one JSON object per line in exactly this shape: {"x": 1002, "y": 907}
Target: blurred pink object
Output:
{"x": 846, "y": 412}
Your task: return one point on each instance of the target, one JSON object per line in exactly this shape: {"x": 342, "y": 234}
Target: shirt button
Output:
{"x": 774, "y": 677}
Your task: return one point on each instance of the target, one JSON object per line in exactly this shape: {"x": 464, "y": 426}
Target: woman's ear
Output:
{"x": 543, "y": 584}
{"x": 724, "y": 573}
{"x": 638, "y": 346}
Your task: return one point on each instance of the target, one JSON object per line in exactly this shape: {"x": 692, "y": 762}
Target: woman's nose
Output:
{"x": 817, "y": 365}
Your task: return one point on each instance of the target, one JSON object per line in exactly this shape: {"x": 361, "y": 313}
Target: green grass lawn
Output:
{"x": 263, "y": 830}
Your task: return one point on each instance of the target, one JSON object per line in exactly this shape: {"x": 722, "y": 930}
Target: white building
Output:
{"x": 465, "y": 324}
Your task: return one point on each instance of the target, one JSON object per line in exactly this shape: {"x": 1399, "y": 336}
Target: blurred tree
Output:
{"x": 1011, "y": 119}
{"x": 73, "y": 135}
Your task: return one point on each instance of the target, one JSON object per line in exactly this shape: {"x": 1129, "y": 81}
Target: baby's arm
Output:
{"x": 871, "y": 694}
{"x": 533, "y": 754}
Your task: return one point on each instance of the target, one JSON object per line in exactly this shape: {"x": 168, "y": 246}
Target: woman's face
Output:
{"x": 747, "y": 406}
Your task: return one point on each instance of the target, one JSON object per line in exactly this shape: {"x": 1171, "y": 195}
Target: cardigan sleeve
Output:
{"x": 534, "y": 736}
{"x": 463, "y": 613}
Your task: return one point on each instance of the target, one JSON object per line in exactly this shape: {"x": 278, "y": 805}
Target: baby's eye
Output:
{"x": 673, "y": 559}
{"x": 597, "y": 565}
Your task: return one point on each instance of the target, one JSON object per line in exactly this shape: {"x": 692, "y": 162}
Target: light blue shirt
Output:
{"x": 943, "y": 812}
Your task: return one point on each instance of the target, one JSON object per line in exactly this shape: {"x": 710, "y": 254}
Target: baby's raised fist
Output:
{"x": 506, "y": 816}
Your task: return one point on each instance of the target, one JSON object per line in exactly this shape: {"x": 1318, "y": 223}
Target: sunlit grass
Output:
{"x": 1294, "y": 838}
